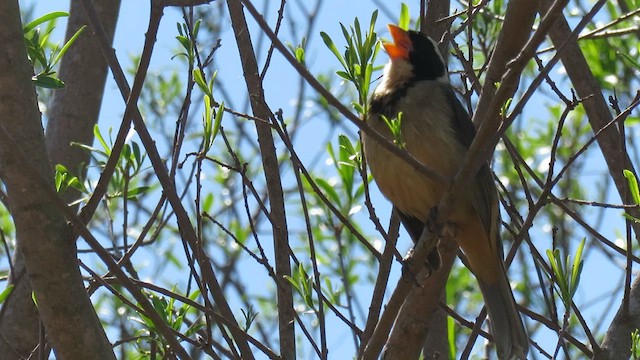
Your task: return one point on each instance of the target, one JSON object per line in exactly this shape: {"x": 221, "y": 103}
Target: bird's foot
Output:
{"x": 432, "y": 263}
{"x": 407, "y": 272}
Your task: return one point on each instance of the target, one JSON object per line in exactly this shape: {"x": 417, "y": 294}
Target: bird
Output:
{"x": 437, "y": 131}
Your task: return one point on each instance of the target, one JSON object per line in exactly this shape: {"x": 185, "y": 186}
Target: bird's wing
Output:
{"x": 484, "y": 193}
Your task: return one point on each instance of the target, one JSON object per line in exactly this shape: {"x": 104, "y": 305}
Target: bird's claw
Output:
{"x": 433, "y": 263}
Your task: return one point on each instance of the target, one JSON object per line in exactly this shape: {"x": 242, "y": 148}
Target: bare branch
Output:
{"x": 272, "y": 174}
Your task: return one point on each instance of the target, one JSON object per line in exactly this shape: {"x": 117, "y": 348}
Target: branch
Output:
{"x": 617, "y": 341}
{"x": 415, "y": 320}
{"x": 84, "y": 72}
{"x": 269, "y": 157}
{"x": 42, "y": 187}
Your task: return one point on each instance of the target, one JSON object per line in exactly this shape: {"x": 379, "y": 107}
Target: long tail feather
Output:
{"x": 508, "y": 330}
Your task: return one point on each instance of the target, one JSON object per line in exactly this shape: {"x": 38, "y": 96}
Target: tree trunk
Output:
{"x": 42, "y": 233}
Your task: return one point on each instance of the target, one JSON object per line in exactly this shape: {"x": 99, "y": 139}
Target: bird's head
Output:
{"x": 414, "y": 57}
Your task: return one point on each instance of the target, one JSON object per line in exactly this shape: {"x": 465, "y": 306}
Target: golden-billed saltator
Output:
{"x": 437, "y": 131}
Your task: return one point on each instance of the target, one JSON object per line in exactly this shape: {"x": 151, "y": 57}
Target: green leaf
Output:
{"x": 160, "y": 305}
{"x": 179, "y": 28}
{"x": 67, "y": 45}
{"x": 329, "y": 43}
{"x": 635, "y": 344}
{"x": 576, "y": 268}
{"x": 451, "y": 335}
{"x": 137, "y": 154}
{"x": 207, "y": 203}
{"x": 633, "y": 185}
{"x": 43, "y": 19}
{"x": 196, "y": 28}
{"x": 47, "y": 82}
{"x": 207, "y": 124}
{"x": 198, "y": 77}
{"x": 344, "y": 75}
{"x": 299, "y": 53}
{"x": 630, "y": 59}
{"x": 293, "y": 282}
{"x": 218, "y": 121}
{"x": 329, "y": 190}
{"x": 359, "y": 108}
{"x": 133, "y": 193}
{"x": 405, "y": 19}
{"x": 372, "y": 25}
{"x": 505, "y": 108}
{"x": 185, "y": 42}
{"x": 98, "y": 135}
{"x": 6, "y": 292}
{"x": 631, "y": 218}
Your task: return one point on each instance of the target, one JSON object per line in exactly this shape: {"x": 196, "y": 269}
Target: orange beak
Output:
{"x": 401, "y": 45}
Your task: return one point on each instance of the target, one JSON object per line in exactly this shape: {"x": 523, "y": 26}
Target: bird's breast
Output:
{"x": 428, "y": 134}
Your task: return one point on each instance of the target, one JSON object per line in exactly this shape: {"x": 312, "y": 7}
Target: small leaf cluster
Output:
{"x": 249, "y": 317}
{"x": 211, "y": 119}
{"x": 567, "y": 274}
{"x": 171, "y": 315}
{"x": 37, "y": 45}
{"x": 64, "y": 180}
{"x": 358, "y": 58}
{"x": 130, "y": 165}
{"x": 298, "y": 51}
{"x": 185, "y": 40}
{"x": 395, "y": 126}
{"x": 303, "y": 284}
{"x": 346, "y": 161}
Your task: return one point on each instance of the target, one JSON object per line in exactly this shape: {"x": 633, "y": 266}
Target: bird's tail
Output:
{"x": 512, "y": 342}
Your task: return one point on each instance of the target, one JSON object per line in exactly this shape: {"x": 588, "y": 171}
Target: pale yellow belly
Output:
{"x": 409, "y": 190}
{"x": 431, "y": 141}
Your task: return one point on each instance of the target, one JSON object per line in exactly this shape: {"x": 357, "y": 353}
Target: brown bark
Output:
{"x": 421, "y": 316}
{"x": 286, "y": 312}
{"x": 41, "y": 230}
{"x": 84, "y": 71}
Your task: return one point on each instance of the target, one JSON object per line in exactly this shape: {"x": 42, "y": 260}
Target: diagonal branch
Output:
{"x": 272, "y": 174}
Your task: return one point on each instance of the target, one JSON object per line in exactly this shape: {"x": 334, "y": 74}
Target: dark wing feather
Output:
{"x": 484, "y": 196}
{"x": 462, "y": 124}
{"x": 413, "y": 225}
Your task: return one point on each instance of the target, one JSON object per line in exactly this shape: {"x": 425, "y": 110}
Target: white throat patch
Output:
{"x": 396, "y": 73}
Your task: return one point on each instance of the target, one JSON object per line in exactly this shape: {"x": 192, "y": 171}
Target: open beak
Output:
{"x": 401, "y": 45}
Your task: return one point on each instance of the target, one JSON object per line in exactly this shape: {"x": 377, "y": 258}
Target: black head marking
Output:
{"x": 425, "y": 58}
